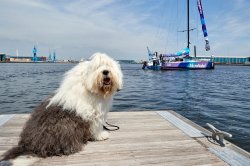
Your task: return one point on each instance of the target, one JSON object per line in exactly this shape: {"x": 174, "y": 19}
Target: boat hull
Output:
{"x": 187, "y": 65}
{"x": 154, "y": 67}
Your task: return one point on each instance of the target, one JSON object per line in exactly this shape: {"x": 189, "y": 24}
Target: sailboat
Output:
{"x": 181, "y": 59}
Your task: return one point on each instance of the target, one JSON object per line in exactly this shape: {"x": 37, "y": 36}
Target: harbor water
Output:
{"x": 220, "y": 96}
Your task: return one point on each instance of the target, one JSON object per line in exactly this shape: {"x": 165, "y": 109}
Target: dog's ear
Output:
{"x": 119, "y": 76}
{"x": 91, "y": 82}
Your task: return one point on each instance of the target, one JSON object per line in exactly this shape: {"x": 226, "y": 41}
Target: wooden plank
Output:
{"x": 10, "y": 131}
{"x": 144, "y": 138}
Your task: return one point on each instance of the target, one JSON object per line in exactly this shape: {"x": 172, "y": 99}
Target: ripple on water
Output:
{"x": 219, "y": 96}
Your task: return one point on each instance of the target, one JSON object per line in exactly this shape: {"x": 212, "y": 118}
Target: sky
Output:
{"x": 76, "y": 29}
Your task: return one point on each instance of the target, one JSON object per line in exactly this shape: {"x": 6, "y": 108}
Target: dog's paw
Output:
{"x": 102, "y": 136}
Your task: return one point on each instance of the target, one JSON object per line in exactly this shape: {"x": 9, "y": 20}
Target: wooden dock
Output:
{"x": 144, "y": 138}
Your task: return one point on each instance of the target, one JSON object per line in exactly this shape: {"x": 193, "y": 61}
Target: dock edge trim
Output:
{"x": 230, "y": 156}
{"x": 5, "y": 118}
{"x": 185, "y": 127}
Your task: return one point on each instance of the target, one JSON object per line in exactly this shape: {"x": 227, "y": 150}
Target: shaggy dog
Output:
{"x": 74, "y": 114}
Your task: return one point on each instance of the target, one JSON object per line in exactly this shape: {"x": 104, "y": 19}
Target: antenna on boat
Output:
{"x": 17, "y": 54}
{"x": 195, "y": 51}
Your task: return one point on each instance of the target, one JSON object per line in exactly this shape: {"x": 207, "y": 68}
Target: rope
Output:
{"x": 106, "y": 128}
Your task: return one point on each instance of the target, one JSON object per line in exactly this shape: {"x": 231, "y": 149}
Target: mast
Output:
{"x": 187, "y": 23}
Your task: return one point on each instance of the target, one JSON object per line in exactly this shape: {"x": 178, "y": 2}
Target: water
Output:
{"x": 220, "y": 97}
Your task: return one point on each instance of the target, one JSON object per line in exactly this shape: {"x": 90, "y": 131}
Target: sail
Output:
{"x": 150, "y": 54}
{"x": 204, "y": 29}
{"x": 183, "y": 53}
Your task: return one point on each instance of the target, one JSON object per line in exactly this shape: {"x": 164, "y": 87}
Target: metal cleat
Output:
{"x": 219, "y": 135}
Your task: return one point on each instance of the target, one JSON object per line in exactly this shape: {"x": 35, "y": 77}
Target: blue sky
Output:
{"x": 76, "y": 29}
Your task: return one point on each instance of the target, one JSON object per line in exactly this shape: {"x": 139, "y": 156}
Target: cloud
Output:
{"x": 75, "y": 30}
{"x": 230, "y": 30}
{"x": 123, "y": 29}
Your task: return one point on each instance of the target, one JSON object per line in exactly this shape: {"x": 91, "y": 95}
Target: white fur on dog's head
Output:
{"x": 99, "y": 83}
{"x": 85, "y": 87}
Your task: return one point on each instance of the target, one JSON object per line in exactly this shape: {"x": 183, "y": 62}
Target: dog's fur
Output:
{"x": 74, "y": 114}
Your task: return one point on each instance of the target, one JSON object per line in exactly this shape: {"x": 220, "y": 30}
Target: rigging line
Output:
{"x": 166, "y": 36}
{"x": 163, "y": 21}
{"x": 171, "y": 26}
{"x": 182, "y": 24}
{"x": 193, "y": 22}
{"x": 159, "y": 25}
{"x": 178, "y": 16}
{"x": 166, "y": 25}
{"x": 156, "y": 32}
{"x": 164, "y": 18}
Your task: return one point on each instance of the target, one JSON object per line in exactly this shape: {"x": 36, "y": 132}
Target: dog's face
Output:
{"x": 105, "y": 76}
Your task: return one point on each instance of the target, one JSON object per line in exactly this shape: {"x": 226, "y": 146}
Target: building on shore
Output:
{"x": 20, "y": 59}
{"x": 2, "y": 57}
{"x": 228, "y": 60}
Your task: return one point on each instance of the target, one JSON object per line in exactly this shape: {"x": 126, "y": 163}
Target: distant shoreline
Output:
{"x": 39, "y": 62}
{"x": 122, "y": 62}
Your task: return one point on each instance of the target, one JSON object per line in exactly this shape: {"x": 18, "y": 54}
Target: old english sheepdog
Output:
{"x": 76, "y": 112}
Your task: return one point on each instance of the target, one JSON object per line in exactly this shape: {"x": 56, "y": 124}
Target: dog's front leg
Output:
{"x": 98, "y": 134}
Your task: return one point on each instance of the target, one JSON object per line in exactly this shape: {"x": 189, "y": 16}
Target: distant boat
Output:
{"x": 181, "y": 59}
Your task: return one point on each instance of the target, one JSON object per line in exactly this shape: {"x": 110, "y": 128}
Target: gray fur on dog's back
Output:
{"x": 51, "y": 132}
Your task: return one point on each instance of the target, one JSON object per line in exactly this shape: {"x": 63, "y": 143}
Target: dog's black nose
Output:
{"x": 105, "y": 72}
